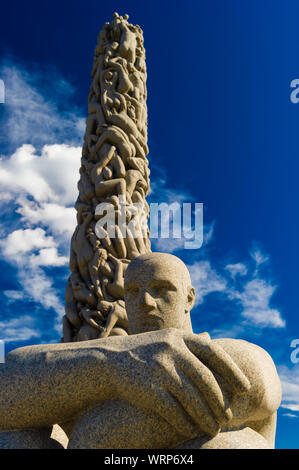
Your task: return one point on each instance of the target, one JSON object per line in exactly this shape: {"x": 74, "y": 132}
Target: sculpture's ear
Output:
{"x": 190, "y": 298}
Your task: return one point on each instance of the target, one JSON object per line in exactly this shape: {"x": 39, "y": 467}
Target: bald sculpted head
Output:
{"x": 158, "y": 293}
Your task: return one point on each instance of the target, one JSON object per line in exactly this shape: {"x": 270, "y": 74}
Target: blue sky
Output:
{"x": 222, "y": 131}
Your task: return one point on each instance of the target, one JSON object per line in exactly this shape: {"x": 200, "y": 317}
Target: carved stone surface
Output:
{"x": 30, "y": 439}
{"x": 165, "y": 388}
{"x": 114, "y": 171}
{"x": 238, "y": 383}
{"x": 161, "y": 385}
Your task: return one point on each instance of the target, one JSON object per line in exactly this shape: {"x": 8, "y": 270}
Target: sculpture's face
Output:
{"x": 156, "y": 295}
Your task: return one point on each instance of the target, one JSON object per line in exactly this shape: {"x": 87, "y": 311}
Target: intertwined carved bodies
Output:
{"x": 113, "y": 165}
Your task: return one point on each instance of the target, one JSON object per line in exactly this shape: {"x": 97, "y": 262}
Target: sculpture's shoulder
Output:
{"x": 241, "y": 347}
{"x": 260, "y": 369}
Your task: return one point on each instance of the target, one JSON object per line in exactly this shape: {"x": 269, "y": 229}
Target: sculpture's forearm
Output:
{"x": 161, "y": 371}
{"x": 46, "y": 384}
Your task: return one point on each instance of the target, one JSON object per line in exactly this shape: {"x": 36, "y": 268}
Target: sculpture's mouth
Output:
{"x": 149, "y": 322}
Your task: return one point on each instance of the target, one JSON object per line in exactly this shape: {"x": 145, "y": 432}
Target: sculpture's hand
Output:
{"x": 171, "y": 373}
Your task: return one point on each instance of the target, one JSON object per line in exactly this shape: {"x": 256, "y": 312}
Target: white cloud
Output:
{"x": 49, "y": 177}
{"x": 39, "y": 288}
{"x": 38, "y": 181}
{"x": 253, "y": 294}
{"x": 18, "y": 329}
{"x": 5, "y": 197}
{"x": 259, "y": 257}
{"x": 59, "y": 219}
{"x": 208, "y": 232}
{"x": 13, "y": 295}
{"x": 236, "y": 269}
{"x": 31, "y": 115}
{"x": 21, "y": 241}
{"x": 255, "y": 299}
{"x": 19, "y": 248}
{"x": 290, "y": 388}
{"x": 205, "y": 280}
{"x": 48, "y": 257}
{"x": 160, "y": 192}
{"x": 291, "y": 406}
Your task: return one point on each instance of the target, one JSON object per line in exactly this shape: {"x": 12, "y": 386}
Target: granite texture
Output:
{"x": 29, "y": 439}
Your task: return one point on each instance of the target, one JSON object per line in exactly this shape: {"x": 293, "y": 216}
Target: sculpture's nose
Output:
{"x": 147, "y": 303}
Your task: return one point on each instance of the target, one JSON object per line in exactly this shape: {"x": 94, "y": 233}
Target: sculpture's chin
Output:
{"x": 150, "y": 324}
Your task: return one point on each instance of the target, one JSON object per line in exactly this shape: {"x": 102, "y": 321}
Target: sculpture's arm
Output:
{"x": 45, "y": 384}
{"x": 159, "y": 371}
{"x": 264, "y": 395}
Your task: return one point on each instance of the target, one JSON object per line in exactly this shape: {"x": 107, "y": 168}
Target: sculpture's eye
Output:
{"x": 160, "y": 290}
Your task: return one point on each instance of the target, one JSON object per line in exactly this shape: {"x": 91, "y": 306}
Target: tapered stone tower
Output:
{"x": 114, "y": 179}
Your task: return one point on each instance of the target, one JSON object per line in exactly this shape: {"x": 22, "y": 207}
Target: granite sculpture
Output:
{"x": 238, "y": 383}
{"x": 130, "y": 373}
{"x": 163, "y": 388}
{"x": 114, "y": 174}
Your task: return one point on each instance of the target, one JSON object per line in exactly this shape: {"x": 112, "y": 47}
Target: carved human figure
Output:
{"x": 159, "y": 295}
{"x": 81, "y": 250}
{"x": 163, "y": 388}
{"x": 99, "y": 258}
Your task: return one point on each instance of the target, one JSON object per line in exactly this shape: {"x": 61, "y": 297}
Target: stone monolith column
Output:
{"x": 114, "y": 180}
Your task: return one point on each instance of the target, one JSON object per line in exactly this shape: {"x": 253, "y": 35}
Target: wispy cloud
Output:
{"x": 255, "y": 292}
{"x": 258, "y": 256}
{"x": 18, "y": 329}
{"x": 206, "y": 280}
{"x": 290, "y": 415}
{"x": 38, "y": 108}
{"x": 38, "y": 181}
{"x": 290, "y": 389}
{"x": 243, "y": 288}
{"x": 242, "y": 283}
{"x": 236, "y": 269}
{"x": 29, "y": 251}
{"x": 13, "y": 295}
{"x": 255, "y": 299}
